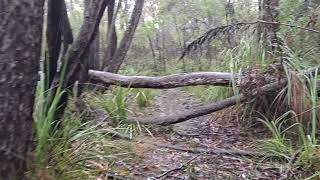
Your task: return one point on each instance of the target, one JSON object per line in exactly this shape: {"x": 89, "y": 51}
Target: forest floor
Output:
{"x": 170, "y": 152}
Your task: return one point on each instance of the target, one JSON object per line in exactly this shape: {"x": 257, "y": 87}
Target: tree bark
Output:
{"x": 125, "y": 43}
{"x": 164, "y": 82}
{"x": 20, "y": 49}
{"x": 92, "y": 59}
{"x": 58, "y": 32}
{"x": 112, "y": 39}
{"x": 76, "y": 53}
{"x": 268, "y": 32}
{"x": 152, "y": 52}
{"x": 86, "y": 35}
{"x": 54, "y": 39}
{"x": 59, "y": 38}
{"x": 93, "y": 53}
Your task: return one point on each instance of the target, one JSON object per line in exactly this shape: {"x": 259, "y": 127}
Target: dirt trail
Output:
{"x": 207, "y": 132}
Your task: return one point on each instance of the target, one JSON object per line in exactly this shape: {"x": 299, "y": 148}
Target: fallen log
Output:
{"x": 210, "y": 108}
{"x": 163, "y": 82}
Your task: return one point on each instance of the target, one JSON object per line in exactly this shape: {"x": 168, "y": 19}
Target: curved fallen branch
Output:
{"x": 210, "y": 108}
{"x": 163, "y": 82}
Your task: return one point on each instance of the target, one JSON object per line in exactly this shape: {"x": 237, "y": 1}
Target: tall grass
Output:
{"x": 61, "y": 153}
{"x": 46, "y": 107}
{"x": 116, "y": 105}
{"x": 282, "y": 141}
{"x": 279, "y": 144}
{"x": 144, "y": 97}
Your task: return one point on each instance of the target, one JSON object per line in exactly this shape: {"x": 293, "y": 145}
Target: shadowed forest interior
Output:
{"x": 159, "y": 89}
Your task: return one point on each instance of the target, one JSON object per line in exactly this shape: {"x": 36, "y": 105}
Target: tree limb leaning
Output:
{"x": 210, "y": 108}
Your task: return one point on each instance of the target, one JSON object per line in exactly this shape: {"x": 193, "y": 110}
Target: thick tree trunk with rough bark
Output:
{"x": 20, "y": 49}
{"x": 125, "y": 43}
{"x": 164, "y": 82}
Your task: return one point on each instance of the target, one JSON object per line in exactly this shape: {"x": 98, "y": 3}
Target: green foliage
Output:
{"x": 289, "y": 10}
{"x": 44, "y": 119}
{"x": 79, "y": 151}
{"x": 144, "y": 97}
{"x": 209, "y": 94}
{"x": 116, "y": 105}
{"x": 61, "y": 153}
{"x": 283, "y": 142}
{"x": 278, "y": 144}
{"x": 47, "y": 102}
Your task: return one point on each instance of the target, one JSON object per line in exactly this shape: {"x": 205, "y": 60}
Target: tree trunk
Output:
{"x": 58, "y": 32}
{"x": 86, "y": 35}
{"x": 91, "y": 58}
{"x": 59, "y": 37}
{"x": 112, "y": 39}
{"x": 92, "y": 54}
{"x": 125, "y": 43}
{"x": 76, "y": 53}
{"x": 94, "y": 50}
{"x": 54, "y": 39}
{"x": 67, "y": 36}
{"x": 268, "y": 32}
{"x": 20, "y": 49}
{"x": 152, "y": 52}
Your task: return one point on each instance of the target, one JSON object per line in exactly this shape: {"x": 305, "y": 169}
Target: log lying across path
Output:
{"x": 190, "y": 79}
{"x": 210, "y": 108}
{"x": 163, "y": 82}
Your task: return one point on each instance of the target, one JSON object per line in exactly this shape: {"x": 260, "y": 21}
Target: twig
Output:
{"x": 218, "y": 151}
{"x": 117, "y": 134}
{"x": 289, "y": 25}
{"x": 178, "y": 168}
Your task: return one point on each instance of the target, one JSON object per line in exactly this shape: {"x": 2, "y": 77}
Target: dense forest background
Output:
{"x": 167, "y": 89}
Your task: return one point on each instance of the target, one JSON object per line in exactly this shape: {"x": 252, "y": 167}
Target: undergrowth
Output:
{"x": 79, "y": 150}
{"x": 117, "y": 104}
{"x": 294, "y": 135}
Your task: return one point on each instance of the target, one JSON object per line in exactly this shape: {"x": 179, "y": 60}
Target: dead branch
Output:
{"x": 164, "y": 82}
{"x": 289, "y": 25}
{"x": 215, "y": 32}
{"x": 216, "y": 151}
{"x": 210, "y": 108}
